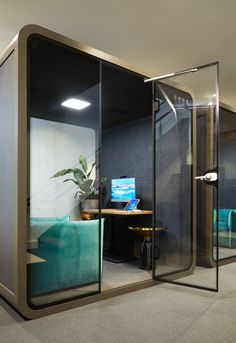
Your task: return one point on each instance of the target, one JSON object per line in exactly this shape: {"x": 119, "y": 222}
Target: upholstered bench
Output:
{"x": 71, "y": 253}
{"x": 227, "y": 227}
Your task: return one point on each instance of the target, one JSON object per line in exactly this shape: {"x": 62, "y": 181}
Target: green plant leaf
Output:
{"x": 94, "y": 163}
{"x": 62, "y": 172}
{"x": 86, "y": 184}
{"x": 96, "y": 184}
{"x": 86, "y": 187}
{"x": 78, "y": 192}
{"x": 83, "y": 162}
{"x": 103, "y": 180}
{"x": 74, "y": 181}
{"x": 78, "y": 174}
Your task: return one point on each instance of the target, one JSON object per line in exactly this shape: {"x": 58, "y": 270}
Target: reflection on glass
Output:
{"x": 227, "y": 184}
{"x": 126, "y": 163}
{"x": 63, "y": 249}
{"x": 173, "y": 178}
{"x": 185, "y": 147}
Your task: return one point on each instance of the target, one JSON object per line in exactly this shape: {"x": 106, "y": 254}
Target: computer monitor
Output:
{"x": 123, "y": 189}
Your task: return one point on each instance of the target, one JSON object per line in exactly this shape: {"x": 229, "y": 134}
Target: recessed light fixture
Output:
{"x": 214, "y": 95}
{"x": 76, "y": 104}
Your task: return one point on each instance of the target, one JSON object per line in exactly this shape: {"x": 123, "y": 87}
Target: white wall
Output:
{"x": 55, "y": 146}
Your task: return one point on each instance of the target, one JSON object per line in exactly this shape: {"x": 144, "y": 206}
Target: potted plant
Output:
{"x": 87, "y": 188}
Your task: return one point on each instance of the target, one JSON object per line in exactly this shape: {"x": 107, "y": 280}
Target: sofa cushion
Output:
{"x": 224, "y": 214}
{"x": 49, "y": 219}
{"x": 71, "y": 254}
{"x": 38, "y": 225}
{"x": 233, "y": 221}
{"x": 223, "y": 226}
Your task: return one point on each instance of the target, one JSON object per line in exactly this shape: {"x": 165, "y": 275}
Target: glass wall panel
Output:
{"x": 186, "y": 108}
{"x": 227, "y": 184}
{"x": 127, "y": 157}
{"x": 63, "y": 247}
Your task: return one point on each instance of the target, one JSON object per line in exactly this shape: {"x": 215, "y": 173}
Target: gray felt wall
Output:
{"x": 127, "y": 151}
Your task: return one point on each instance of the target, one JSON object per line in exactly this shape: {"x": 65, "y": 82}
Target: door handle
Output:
{"x": 208, "y": 177}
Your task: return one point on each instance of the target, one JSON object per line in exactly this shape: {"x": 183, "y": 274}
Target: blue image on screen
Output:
{"x": 123, "y": 189}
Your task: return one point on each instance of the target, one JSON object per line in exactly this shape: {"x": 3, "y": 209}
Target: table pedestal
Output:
{"x": 145, "y": 257}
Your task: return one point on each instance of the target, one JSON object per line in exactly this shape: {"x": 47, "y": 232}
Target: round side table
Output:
{"x": 145, "y": 257}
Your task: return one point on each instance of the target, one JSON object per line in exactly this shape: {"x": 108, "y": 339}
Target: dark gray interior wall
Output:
{"x": 227, "y": 159}
{"x": 173, "y": 193}
{"x": 127, "y": 151}
{"x": 173, "y": 180}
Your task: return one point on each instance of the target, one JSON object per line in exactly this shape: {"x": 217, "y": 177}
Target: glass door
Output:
{"x": 64, "y": 249}
{"x": 186, "y": 177}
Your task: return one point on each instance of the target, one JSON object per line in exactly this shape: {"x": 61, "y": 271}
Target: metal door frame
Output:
{"x": 194, "y": 165}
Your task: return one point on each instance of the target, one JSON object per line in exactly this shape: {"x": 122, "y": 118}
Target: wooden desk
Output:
{"x": 116, "y": 212}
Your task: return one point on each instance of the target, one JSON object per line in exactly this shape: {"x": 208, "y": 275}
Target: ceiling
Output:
{"x": 160, "y": 36}
{"x": 58, "y": 73}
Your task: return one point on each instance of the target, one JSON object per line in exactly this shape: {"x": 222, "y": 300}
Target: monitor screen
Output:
{"x": 123, "y": 189}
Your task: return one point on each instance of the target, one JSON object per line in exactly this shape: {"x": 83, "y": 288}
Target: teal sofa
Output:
{"x": 227, "y": 227}
{"x": 38, "y": 225}
{"x": 71, "y": 253}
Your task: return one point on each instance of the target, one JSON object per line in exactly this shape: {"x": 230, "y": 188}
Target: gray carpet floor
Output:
{"x": 121, "y": 274}
{"x": 161, "y": 314}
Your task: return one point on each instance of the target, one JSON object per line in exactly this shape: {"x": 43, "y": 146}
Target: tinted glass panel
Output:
{"x": 186, "y": 116}
{"x": 227, "y": 184}
{"x": 63, "y": 249}
{"x": 127, "y": 157}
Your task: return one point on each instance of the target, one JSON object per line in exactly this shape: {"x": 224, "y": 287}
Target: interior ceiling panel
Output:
{"x": 160, "y": 36}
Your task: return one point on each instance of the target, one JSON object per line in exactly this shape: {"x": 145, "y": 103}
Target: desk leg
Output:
{"x": 110, "y": 256}
{"x": 145, "y": 258}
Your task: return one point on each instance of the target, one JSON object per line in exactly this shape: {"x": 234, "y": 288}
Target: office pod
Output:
{"x": 109, "y": 178}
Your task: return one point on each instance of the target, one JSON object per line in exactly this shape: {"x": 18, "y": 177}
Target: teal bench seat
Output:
{"x": 227, "y": 227}
{"x": 71, "y": 251}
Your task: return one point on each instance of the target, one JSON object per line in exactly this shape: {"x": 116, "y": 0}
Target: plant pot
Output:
{"x": 90, "y": 204}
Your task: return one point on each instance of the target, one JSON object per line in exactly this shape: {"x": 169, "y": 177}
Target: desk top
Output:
{"x": 114, "y": 211}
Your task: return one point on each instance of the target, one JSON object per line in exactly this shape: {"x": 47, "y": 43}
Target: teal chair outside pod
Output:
{"x": 71, "y": 253}
{"x": 226, "y": 227}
